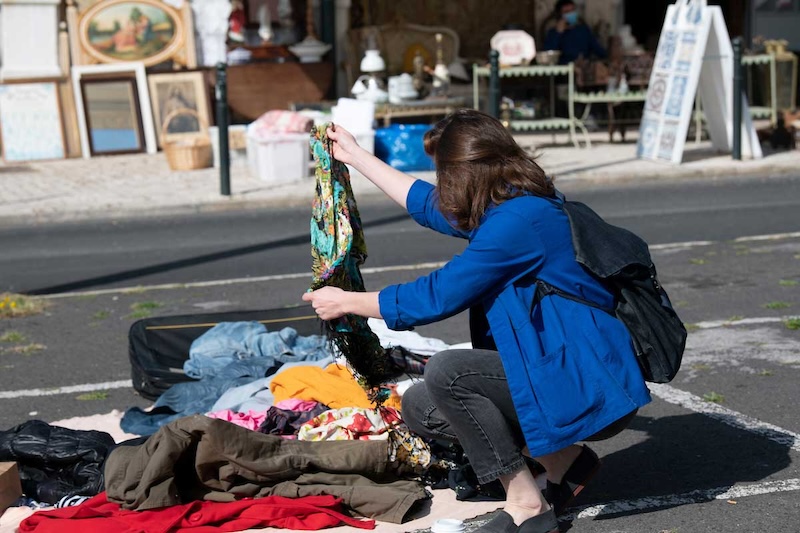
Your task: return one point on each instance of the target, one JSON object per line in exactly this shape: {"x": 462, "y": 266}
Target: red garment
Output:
{"x": 98, "y": 515}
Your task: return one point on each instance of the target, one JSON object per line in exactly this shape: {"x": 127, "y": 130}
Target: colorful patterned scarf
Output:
{"x": 337, "y": 251}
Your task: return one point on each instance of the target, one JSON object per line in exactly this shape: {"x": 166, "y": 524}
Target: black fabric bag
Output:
{"x": 621, "y": 260}
{"x": 159, "y": 346}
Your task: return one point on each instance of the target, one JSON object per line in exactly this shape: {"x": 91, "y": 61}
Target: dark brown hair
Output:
{"x": 478, "y": 163}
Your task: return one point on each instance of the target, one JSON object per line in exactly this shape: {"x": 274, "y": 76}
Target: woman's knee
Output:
{"x": 442, "y": 369}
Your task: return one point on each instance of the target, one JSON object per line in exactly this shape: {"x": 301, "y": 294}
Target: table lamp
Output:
{"x": 368, "y": 86}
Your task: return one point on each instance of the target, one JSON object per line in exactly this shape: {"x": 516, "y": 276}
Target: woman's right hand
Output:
{"x": 344, "y": 145}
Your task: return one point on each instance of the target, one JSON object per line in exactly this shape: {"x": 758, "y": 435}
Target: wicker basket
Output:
{"x": 188, "y": 152}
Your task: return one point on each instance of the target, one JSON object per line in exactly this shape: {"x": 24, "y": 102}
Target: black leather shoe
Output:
{"x": 582, "y": 469}
{"x": 503, "y": 523}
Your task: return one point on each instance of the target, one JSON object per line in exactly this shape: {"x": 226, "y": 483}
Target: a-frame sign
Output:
{"x": 694, "y": 55}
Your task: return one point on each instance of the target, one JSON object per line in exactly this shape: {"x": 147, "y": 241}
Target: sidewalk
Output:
{"x": 143, "y": 185}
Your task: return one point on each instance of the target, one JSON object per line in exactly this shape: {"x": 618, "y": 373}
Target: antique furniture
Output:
{"x": 612, "y": 100}
{"x": 429, "y": 107}
{"x": 570, "y": 122}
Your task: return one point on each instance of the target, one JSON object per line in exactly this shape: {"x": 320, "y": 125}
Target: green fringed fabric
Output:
{"x": 338, "y": 250}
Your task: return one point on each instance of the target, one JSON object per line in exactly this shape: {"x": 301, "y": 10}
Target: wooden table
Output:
{"x": 417, "y": 108}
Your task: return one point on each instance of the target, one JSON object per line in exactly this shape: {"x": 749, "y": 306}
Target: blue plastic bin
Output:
{"x": 400, "y": 146}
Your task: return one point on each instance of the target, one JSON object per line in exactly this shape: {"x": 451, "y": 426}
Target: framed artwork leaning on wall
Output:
{"x": 171, "y": 92}
{"x": 113, "y": 106}
{"x": 31, "y": 123}
{"x": 112, "y": 115}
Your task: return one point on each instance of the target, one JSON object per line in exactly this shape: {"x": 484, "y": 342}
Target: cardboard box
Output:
{"x": 10, "y": 488}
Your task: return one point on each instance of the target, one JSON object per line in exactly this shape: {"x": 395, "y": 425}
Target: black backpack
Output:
{"x": 621, "y": 261}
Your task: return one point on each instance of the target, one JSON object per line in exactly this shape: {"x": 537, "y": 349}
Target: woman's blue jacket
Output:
{"x": 570, "y": 367}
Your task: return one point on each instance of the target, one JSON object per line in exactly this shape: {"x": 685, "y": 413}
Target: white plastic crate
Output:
{"x": 279, "y": 158}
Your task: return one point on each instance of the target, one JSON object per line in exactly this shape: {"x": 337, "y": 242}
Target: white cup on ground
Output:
{"x": 448, "y": 525}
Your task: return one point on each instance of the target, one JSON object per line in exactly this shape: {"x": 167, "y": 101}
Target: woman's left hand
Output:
{"x": 328, "y": 302}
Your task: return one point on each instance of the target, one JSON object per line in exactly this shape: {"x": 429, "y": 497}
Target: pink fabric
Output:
{"x": 251, "y": 419}
{"x": 296, "y": 405}
{"x": 279, "y": 121}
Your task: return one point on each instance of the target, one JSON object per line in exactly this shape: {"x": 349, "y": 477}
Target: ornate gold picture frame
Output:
{"x": 123, "y": 31}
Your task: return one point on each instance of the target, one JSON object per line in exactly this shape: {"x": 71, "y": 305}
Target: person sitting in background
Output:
{"x": 570, "y": 36}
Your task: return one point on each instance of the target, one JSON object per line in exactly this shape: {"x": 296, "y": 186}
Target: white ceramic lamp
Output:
{"x": 372, "y": 61}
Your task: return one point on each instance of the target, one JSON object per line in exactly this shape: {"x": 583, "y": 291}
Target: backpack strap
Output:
{"x": 545, "y": 289}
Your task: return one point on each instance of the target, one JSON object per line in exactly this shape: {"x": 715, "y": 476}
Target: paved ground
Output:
{"x": 720, "y": 458}
{"x": 137, "y": 185}
{"x": 716, "y": 451}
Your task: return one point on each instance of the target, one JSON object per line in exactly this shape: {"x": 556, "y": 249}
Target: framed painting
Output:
{"x": 113, "y": 107}
{"x": 31, "y": 123}
{"x": 170, "y": 92}
{"x": 149, "y": 31}
{"x": 112, "y": 115}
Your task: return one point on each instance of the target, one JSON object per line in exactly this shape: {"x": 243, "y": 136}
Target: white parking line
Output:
{"x": 234, "y": 281}
{"x": 711, "y": 324}
{"x": 727, "y": 416}
{"x": 394, "y": 268}
{"x": 87, "y": 387}
{"x": 772, "y": 237}
{"x": 696, "y": 496}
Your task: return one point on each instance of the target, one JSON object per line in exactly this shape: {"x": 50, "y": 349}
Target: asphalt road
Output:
{"x": 687, "y": 464}
{"x": 126, "y": 253}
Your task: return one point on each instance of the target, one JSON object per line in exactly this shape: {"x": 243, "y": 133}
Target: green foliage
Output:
{"x": 713, "y": 397}
{"x": 12, "y": 336}
{"x": 96, "y": 395}
{"x": 776, "y": 305}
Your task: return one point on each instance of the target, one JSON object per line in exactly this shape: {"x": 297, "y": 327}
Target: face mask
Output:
{"x": 571, "y": 18}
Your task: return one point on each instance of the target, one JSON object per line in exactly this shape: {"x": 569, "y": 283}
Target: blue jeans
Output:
{"x": 465, "y": 398}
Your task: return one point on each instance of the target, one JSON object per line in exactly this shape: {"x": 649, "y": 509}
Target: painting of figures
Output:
{"x": 131, "y": 30}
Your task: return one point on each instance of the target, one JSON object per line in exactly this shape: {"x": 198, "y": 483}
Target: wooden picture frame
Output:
{"x": 31, "y": 121}
{"x": 112, "y": 115}
{"x": 171, "y": 91}
{"x": 134, "y": 71}
{"x": 123, "y": 31}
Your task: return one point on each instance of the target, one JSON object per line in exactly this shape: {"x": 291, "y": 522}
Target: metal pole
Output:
{"x": 222, "y": 127}
{"x": 737, "y": 98}
{"x": 329, "y": 36}
{"x": 494, "y": 83}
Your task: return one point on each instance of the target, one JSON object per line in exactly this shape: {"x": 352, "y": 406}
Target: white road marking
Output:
{"x": 727, "y": 416}
{"x": 772, "y": 237}
{"x": 696, "y": 496}
{"x": 679, "y": 245}
{"x": 87, "y": 387}
{"x": 234, "y": 281}
{"x": 674, "y": 246}
{"x": 710, "y": 324}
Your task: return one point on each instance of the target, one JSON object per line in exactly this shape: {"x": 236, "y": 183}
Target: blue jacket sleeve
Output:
{"x": 504, "y": 248}
{"x": 423, "y": 206}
